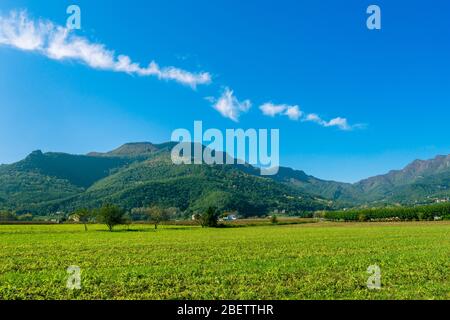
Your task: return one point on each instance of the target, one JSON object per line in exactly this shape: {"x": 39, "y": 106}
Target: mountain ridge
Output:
{"x": 139, "y": 174}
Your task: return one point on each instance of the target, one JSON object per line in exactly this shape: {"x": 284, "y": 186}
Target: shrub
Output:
{"x": 210, "y": 218}
{"x": 362, "y": 217}
{"x": 274, "y": 219}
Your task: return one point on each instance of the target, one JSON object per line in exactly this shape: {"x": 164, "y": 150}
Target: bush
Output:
{"x": 274, "y": 219}
{"x": 362, "y": 217}
{"x": 210, "y": 218}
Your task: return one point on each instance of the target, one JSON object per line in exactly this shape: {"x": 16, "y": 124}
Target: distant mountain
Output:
{"x": 344, "y": 193}
{"x": 142, "y": 174}
{"x": 421, "y": 181}
{"x": 414, "y": 172}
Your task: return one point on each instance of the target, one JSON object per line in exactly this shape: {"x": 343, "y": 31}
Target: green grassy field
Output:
{"x": 308, "y": 261}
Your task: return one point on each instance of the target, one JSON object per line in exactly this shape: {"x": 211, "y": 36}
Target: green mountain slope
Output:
{"x": 52, "y": 176}
{"x": 142, "y": 174}
{"x": 341, "y": 193}
{"x": 137, "y": 175}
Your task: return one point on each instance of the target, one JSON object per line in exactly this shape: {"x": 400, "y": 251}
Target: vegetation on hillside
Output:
{"x": 136, "y": 183}
{"x": 142, "y": 174}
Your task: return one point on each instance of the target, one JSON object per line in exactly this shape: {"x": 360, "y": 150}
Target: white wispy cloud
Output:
{"x": 294, "y": 113}
{"x": 19, "y": 31}
{"x": 56, "y": 42}
{"x": 341, "y": 123}
{"x": 272, "y": 110}
{"x": 229, "y": 106}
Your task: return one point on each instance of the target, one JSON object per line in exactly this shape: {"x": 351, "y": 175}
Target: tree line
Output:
{"x": 112, "y": 216}
{"x": 418, "y": 213}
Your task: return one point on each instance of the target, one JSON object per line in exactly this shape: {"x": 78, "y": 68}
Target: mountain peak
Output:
{"x": 439, "y": 163}
{"x": 132, "y": 149}
{"x": 36, "y": 153}
{"x": 417, "y": 171}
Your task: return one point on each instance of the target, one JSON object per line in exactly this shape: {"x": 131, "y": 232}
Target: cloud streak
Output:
{"x": 271, "y": 110}
{"x": 294, "y": 113}
{"x": 341, "y": 123}
{"x": 17, "y": 30}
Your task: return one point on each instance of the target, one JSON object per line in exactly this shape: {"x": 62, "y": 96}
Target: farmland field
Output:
{"x": 307, "y": 261}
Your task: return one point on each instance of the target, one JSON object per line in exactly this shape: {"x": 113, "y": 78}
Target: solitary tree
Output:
{"x": 157, "y": 215}
{"x": 111, "y": 216}
{"x": 83, "y": 215}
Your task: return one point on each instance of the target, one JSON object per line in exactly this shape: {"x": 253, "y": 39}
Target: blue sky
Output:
{"x": 316, "y": 55}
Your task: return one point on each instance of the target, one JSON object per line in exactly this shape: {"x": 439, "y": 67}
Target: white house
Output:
{"x": 230, "y": 217}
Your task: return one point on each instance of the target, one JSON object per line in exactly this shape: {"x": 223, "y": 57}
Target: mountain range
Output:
{"x": 142, "y": 174}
